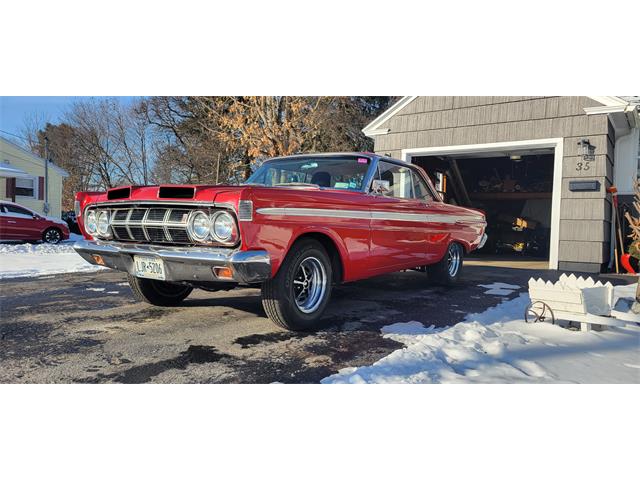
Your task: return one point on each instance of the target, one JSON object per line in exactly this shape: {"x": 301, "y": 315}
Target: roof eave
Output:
{"x": 373, "y": 129}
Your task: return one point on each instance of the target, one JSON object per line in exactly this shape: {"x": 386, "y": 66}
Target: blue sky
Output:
{"x": 15, "y": 110}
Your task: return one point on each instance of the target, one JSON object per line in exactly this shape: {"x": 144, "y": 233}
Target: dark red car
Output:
{"x": 20, "y": 223}
{"x": 299, "y": 225}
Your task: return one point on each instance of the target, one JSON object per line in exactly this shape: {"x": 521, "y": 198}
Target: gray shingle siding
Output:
{"x": 446, "y": 121}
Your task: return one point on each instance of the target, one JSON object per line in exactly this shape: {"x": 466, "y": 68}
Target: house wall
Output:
{"x": 584, "y": 216}
{"x": 19, "y": 158}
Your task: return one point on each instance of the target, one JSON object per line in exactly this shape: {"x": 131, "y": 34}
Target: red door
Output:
{"x": 400, "y": 230}
{"x": 21, "y": 224}
{"x": 398, "y": 236}
{"x": 7, "y": 224}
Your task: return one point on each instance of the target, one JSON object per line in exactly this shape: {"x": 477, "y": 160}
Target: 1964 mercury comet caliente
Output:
{"x": 298, "y": 226}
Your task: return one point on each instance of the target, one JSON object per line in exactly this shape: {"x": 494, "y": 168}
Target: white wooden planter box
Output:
{"x": 581, "y": 300}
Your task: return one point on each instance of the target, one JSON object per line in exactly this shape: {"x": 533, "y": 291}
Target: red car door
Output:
{"x": 437, "y": 225}
{"x": 22, "y": 224}
{"x": 399, "y": 232}
{"x": 7, "y": 230}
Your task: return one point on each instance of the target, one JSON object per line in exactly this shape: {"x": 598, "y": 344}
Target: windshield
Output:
{"x": 343, "y": 173}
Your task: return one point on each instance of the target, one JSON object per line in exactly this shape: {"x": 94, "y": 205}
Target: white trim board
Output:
{"x": 556, "y": 143}
{"x": 374, "y": 127}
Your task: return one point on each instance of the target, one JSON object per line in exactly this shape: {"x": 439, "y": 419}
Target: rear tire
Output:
{"x": 157, "y": 292}
{"x": 448, "y": 270}
{"x": 52, "y": 235}
{"x": 297, "y": 296}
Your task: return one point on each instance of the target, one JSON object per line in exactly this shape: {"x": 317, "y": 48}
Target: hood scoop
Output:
{"x": 118, "y": 193}
{"x": 176, "y": 192}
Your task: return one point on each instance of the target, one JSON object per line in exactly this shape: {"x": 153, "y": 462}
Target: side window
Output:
{"x": 420, "y": 188}
{"x": 399, "y": 179}
{"x": 18, "y": 210}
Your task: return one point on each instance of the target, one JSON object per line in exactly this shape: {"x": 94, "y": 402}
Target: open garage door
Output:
{"x": 514, "y": 187}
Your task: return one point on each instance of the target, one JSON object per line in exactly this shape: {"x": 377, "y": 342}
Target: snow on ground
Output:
{"x": 499, "y": 288}
{"x": 497, "y": 346}
{"x": 33, "y": 260}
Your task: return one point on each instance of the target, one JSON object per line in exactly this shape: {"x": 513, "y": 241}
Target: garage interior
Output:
{"x": 514, "y": 189}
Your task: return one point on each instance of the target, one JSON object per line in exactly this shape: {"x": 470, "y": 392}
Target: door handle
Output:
{"x": 11, "y": 221}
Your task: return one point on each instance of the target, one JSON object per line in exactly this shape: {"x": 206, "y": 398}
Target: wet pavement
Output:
{"x": 87, "y": 328}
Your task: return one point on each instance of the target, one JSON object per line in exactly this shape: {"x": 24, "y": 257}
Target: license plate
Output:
{"x": 148, "y": 267}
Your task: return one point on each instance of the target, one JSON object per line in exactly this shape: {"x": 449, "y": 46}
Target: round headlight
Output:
{"x": 224, "y": 227}
{"x": 91, "y": 224}
{"x": 199, "y": 226}
{"x": 103, "y": 223}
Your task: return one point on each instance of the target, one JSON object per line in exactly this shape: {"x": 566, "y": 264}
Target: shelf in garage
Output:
{"x": 509, "y": 195}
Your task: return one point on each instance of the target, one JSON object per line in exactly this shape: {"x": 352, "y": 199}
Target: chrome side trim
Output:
{"x": 315, "y": 212}
{"x": 370, "y": 215}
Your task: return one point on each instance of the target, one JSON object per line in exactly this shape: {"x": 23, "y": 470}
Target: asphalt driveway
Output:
{"x": 87, "y": 328}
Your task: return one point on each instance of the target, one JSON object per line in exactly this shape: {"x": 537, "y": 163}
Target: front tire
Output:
{"x": 52, "y": 235}
{"x": 157, "y": 292}
{"x": 448, "y": 270}
{"x": 297, "y": 296}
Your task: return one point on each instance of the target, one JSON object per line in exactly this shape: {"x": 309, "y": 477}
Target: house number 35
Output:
{"x": 580, "y": 166}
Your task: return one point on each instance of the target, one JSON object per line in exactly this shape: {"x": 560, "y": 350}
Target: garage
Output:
{"x": 542, "y": 169}
{"x": 515, "y": 191}
{"x": 517, "y": 185}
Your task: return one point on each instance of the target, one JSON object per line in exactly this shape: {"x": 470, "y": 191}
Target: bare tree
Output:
{"x": 103, "y": 143}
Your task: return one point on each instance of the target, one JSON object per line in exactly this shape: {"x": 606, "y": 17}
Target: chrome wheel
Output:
{"x": 52, "y": 236}
{"x": 309, "y": 285}
{"x": 454, "y": 258}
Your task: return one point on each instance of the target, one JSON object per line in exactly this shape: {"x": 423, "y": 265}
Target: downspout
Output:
{"x": 45, "y": 207}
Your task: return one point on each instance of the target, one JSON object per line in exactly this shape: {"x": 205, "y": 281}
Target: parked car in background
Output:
{"x": 20, "y": 223}
{"x": 72, "y": 222}
{"x": 298, "y": 226}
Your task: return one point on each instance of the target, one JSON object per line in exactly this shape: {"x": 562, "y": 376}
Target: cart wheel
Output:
{"x": 538, "y": 312}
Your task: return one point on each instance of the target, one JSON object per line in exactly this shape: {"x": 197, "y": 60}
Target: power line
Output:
{"x": 14, "y": 135}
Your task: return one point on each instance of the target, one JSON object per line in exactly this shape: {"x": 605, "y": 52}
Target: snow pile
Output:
{"x": 29, "y": 260}
{"x": 497, "y": 346}
{"x": 499, "y": 288}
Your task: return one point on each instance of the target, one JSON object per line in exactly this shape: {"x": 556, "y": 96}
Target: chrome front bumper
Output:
{"x": 182, "y": 264}
{"x": 483, "y": 240}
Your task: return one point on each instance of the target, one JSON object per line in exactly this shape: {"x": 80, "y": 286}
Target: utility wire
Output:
{"x": 14, "y": 135}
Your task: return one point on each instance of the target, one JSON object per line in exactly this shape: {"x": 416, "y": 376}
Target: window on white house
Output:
{"x": 26, "y": 187}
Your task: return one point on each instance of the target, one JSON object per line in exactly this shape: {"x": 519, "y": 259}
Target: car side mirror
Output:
{"x": 380, "y": 187}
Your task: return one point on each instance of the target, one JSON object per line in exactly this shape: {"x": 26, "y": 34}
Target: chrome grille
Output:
{"x": 121, "y": 232}
{"x": 161, "y": 224}
{"x": 156, "y": 214}
{"x": 152, "y": 223}
{"x": 178, "y": 215}
{"x": 178, "y": 236}
{"x": 120, "y": 214}
{"x": 156, "y": 234}
{"x": 137, "y": 214}
{"x": 136, "y": 233}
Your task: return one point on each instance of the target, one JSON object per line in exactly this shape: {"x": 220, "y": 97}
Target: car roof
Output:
{"x": 7, "y": 202}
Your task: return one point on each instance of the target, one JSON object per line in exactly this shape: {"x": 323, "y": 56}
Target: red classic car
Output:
{"x": 299, "y": 225}
{"x": 20, "y": 223}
